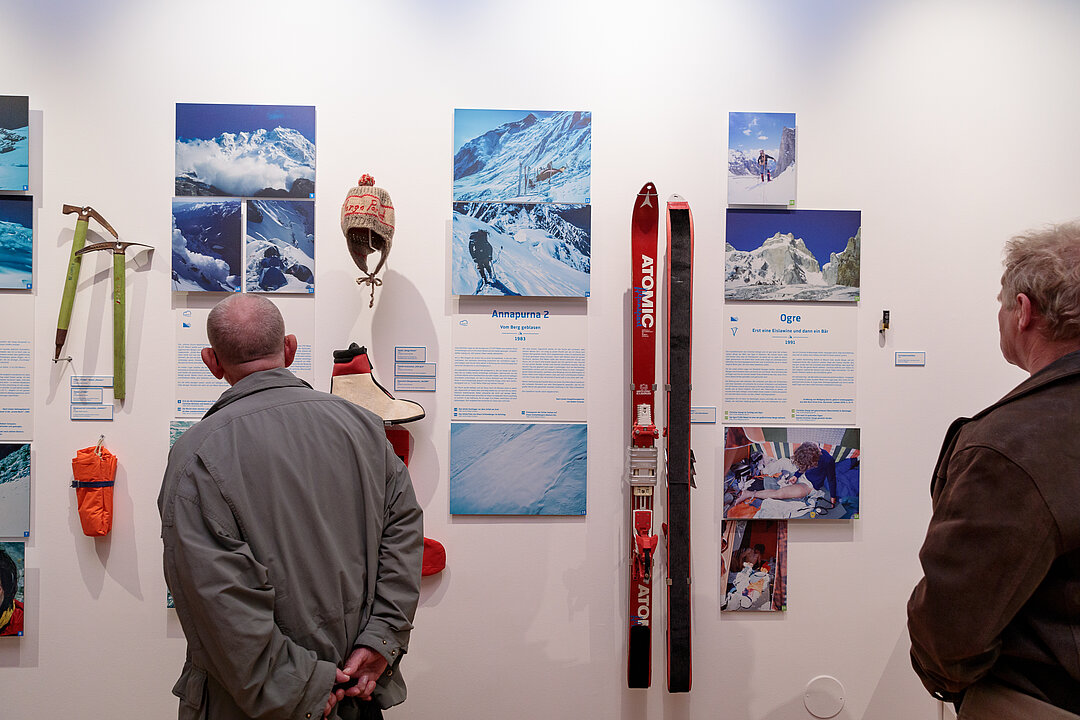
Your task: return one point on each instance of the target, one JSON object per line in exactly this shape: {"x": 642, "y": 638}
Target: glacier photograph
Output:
{"x": 761, "y": 158}
{"x": 16, "y": 242}
{"x": 522, "y": 155}
{"x": 279, "y": 247}
{"x": 14, "y": 142}
{"x": 206, "y": 245}
{"x": 517, "y": 468}
{"x": 245, "y": 150}
{"x": 793, "y": 255}
{"x": 527, "y": 249}
{"x": 14, "y": 489}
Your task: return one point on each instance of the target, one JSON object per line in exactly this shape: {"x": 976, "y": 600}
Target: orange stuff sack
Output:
{"x": 95, "y": 472}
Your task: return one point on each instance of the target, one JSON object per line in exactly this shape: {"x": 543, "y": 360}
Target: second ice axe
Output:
{"x": 119, "y": 344}
{"x": 74, "y": 264}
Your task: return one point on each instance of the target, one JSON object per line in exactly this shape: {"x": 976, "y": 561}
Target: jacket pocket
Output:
{"x": 191, "y": 689}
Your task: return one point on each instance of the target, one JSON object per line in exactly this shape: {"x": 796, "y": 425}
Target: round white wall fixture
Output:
{"x": 824, "y": 696}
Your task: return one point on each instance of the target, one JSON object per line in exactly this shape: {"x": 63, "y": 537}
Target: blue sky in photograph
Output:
{"x": 17, "y": 209}
{"x": 206, "y": 121}
{"x": 823, "y": 231}
{"x": 752, "y": 132}
{"x": 469, "y": 124}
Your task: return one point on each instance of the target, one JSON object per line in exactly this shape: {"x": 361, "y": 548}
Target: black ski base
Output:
{"x": 640, "y": 657}
{"x": 679, "y": 463}
{"x": 679, "y": 590}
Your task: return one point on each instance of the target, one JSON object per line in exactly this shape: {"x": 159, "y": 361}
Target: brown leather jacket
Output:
{"x": 1001, "y": 594}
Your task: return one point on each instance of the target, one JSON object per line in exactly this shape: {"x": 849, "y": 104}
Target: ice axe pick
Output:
{"x": 118, "y": 249}
{"x": 74, "y": 264}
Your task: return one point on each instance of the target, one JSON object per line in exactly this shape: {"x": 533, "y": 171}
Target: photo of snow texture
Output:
{"x": 16, "y": 242}
{"x": 279, "y": 248}
{"x": 11, "y": 616}
{"x": 178, "y": 428}
{"x": 14, "y": 489}
{"x": 793, "y": 255}
{"x": 245, "y": 150}
{"x": 517, "y": 469}
{"x": 522, "y": 156}
{"x": 521, "y": 249}
{"x": 206, "y": 245}
{"x": 807, "y": 473}
{"x": 756, "y": 566}
{"x": 761, "y": 158}
{"x": 14, "y": 142}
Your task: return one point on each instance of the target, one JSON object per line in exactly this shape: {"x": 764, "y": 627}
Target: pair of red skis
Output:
{"x": 642, "y": 460}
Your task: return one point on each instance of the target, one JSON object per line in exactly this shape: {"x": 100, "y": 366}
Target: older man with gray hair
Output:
{"x": 995, "y": 621}
{"x": 292, "y": 539}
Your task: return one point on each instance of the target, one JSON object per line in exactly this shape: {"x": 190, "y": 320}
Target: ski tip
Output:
{"x": 677, "y": 202}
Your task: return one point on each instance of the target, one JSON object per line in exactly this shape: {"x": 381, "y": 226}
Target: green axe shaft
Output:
{"x": 71, "y": 283}
{"x": 118, "y": 320}
{"x": 119, "y": 317}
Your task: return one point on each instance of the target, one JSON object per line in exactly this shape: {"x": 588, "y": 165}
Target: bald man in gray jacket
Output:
{"x": 292, "y": 537}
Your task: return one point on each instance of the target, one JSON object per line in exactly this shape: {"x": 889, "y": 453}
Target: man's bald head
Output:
{"x": 247, "y": 334}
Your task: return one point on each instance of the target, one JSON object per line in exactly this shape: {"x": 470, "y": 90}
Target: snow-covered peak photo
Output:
{"x": 245, "y": 150}
{"x": 14, "y": 489}
{"x": 280, "y": 246}
{"x": 522, "y": 155}
{"x": 796, "y": 255}
{"x": 206, "y": 239}
{"x": 14, "y": 142}
{"x": 16, "y": 242}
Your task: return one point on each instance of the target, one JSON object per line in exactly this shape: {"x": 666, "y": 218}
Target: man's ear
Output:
{"x": 290, "y": 349}
{"x": 210, "y": 360}
{"x": 1025, "y": 318}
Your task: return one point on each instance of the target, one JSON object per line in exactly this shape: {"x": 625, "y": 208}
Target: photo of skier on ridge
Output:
{"x": 763, "y": 161}
{"x": 480, "y": 250}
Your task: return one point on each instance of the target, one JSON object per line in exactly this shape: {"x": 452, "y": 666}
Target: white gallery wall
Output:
{"x": 950, "y": 125}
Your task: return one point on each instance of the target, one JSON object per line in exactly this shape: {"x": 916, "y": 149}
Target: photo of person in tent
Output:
{"x": 798, "y": 472}
{"x": 754, "y": 565}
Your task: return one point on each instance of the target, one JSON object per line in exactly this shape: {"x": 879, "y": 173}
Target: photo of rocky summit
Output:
{"x": 793, "y": 255}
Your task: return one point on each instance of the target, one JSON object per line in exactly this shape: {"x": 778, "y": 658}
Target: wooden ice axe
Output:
{"x": 117, "y": 247}
{"x": 74, "y": 263}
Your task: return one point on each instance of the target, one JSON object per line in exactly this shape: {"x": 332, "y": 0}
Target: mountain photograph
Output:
{"x": 279, "y": 247}
{"x": 761, "y": 159}
{"x": 206, "y": 245}
{"x": 245, "y": 150}
{"x": 14, "y": 489}
{"x": 16, "y": 242}
{"x": 527, "y": 249}
{"x": 793, "y": 255}
{"x": 522, "y": 156}
{"x": 14, "y": 142}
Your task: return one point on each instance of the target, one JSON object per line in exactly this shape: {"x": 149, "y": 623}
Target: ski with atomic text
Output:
{"x": 642, "y": 453}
